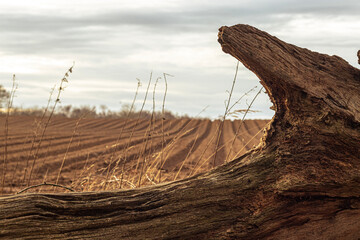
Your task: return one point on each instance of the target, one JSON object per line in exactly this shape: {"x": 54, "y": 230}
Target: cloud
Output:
{"x": 113, "y": 42}
{"x": 44, "y": 32}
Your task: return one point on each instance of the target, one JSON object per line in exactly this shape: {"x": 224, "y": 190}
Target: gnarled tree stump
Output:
{"x": 302, "y": 182}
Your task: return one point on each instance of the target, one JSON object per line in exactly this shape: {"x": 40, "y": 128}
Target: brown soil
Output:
{"x": 89, "y": 148}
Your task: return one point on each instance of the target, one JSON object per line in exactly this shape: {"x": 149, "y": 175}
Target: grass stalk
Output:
{"x": 36, "y": 132}
{"x": 241, "y": 123}
{"x": 186, "y": 158}
{"x": 222, "y": 121}
{"x": 68, "y": 148}
{"x": 111, "y": 161}
{"x": 61, "y": 88}
{"x": 201, "y": 156}
{"x": 6, "y": 131}
{"x": 162, "y": 124}
{"x": 148, "y": 134}
{"x": 247, "y": 143}
{"x": 124, "y": 160}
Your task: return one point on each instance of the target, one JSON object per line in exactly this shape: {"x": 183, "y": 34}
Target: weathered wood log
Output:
{"x": 301, "y": 182}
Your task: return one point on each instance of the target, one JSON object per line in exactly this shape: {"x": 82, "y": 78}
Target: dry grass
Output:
{"x": 57, "y": 100}
{"x": 120, "y": 170}
{"x": 9, "y": 106}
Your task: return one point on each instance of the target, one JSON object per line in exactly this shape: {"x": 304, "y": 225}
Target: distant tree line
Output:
{"x": 70, "y": 111}
{"x": 85, "y": 111}
{"x": 103, "y": 112}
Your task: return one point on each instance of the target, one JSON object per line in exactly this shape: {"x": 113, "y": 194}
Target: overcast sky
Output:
{"x": 115, "y": 42}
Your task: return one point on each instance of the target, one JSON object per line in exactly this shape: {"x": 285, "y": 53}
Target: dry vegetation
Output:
{"x": 66, "y": 148}
{"x": 86, "y": 155}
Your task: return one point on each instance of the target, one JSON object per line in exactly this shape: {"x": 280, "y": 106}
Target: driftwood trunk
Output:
{"x": 301, "y": 182}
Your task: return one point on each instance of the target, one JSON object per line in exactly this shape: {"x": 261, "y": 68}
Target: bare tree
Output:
{"x": 4, "y": 95}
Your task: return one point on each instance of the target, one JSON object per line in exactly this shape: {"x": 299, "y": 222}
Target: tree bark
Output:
{"x": 301, "y": 182}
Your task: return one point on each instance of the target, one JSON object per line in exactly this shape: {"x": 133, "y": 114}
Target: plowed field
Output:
{"x": 98, "y": 154}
